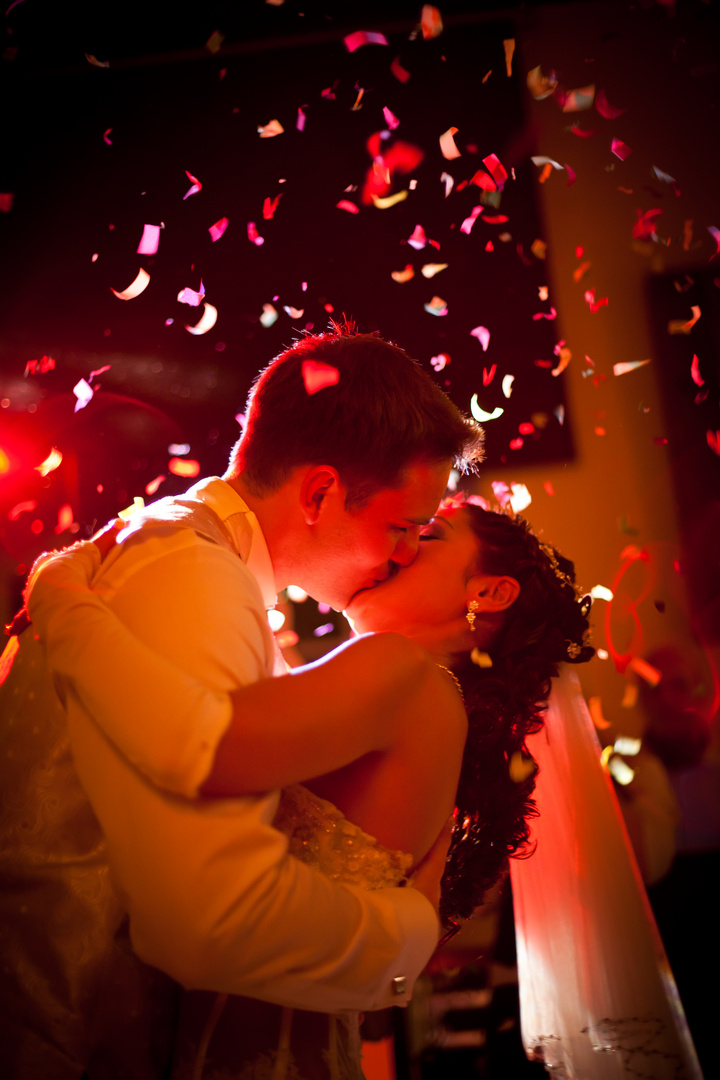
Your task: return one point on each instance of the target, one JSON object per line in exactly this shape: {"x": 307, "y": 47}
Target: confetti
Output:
{"x": 468, "y": 223}
{"x": 293, "y": 312}
{"x": 561, "y": 350}
{"x": 447, "y": 144}
{"x": 620, "y": 149}
{"x": 218, "y": 229}
{"x": 581, "y": 270}
{"x": 51, "y": 462}
{"x": 390, "y": 118}
{"x": 437, "y": 306}
{"x": 667, "y": 179}
{"x": 715, "y": 233}
{"x": 440, "y": 362}
{"x": 539, "y": 250}
{"x": 482, "y": 180}
{"x": 190, "y": 297}
{"x": 207, "y": 321}
{"x": 595, "y": 710}
{"x": 270, "y": 206}
{"x": 480, "y": 415}
{"x": 253, "y": 235}
{"x": 138, "y": 286}
{"x": 507, "y": 382}
{"x": 594, "y": 304}
{"x": 482, "y": 659}
{"x": 578, "y": 100}
{"x": 552, "y": 314}
{"x": 645, "y": 228}
{"x": 496, "y": 169}
{"x": 509, "y": 47}
{"x": 106, "y": 137}
{"x": 270, "y": 130}
{"x": 390, "y": 200}
{"x": 631, "y": 365}
{"x": 403, "y": 275}
{"x": 65, "y": 519}
{"x": 345, "y": 204}
{"x": 95, "y": 62}
{"x": 153, "y": 485}
{"x": 269, "y": 315}
{"x": 418, "y": 240}
{"x": 540, "y": 86}
{"x": 542, "y": 160}
{"x": 6, "y": 201}
{"x": 21, "y": 508}
{"x": 214, "y": 42}
{"x": 363, "y": 37}
{"x": 483, "y": 335}
{"x": 39, "y": 367}
{"x": 431, "y": 22}
{"x": 646, "y": 671}
{"x": 184, "y": 466}
{"x": 681, "y": 326}
{"x": 695, "y": 371}
{"x": 603, "y": 106}
{"x": 150, "y": 240}
{"x": 399, "y": 71}
{"x": 317, "y": 376}
{"x": 84, "y": 394}
{"x": 488, "y": 376}
{"x": 582, "y": 133}
{"x": 713, "y": 441}
{"x": 448, "y": 181}
{"x": 301, "y": 118}
{"x": 549, "y": 487}
{"x": 431, "y": 269}
{"x": 194, "y": 187}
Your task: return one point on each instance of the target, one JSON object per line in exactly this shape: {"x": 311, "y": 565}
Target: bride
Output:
{"x": 498, "y": 612}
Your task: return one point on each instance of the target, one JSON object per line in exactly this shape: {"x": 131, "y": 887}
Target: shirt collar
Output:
{"x": 245, "y": 530}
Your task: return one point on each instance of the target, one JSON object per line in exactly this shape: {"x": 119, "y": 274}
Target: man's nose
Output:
{"x": 407, "y": 547}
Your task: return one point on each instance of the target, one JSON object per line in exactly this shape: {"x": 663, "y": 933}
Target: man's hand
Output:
{"x": 430, "y": 871}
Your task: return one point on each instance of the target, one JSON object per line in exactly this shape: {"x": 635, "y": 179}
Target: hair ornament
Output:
{"x": 573, "y": 650}
{"x": 560, "y": 574}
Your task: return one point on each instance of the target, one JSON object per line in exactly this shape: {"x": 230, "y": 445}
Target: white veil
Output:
{"x": 597, "y": 998}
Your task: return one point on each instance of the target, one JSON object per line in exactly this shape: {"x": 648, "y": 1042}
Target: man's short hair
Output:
{"x": 382, "y": 414}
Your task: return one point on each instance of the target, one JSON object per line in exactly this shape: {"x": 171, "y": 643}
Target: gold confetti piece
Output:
{"x": 403, "y": 275}
{"x": 389, "y": 200}
{"x": 628, "y": 702}
{"x": 595, "y": 710}
{"x": 627, "y": 745}
{"x": 482, "y": 659}
{"x": 509, "y": 47}
{"x": 267, "y": 131}
{"x": 520, "y": 767}
{"x": 646, "y": 671}
{"x": 447, "y": 144}
{"x": 539, "y": 248}
{"x": 138, "y": 503}
{"x": 431, "y": 269}
{"x": 136, "y": 287}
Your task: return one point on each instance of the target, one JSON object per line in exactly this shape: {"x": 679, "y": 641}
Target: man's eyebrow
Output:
{"x": 444, "y": 521}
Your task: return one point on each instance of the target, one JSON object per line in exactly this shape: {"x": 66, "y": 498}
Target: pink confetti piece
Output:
{"x": 483, "y": 336}
{"x": 713, "y": 441}
{"x": 149, "y": 241}
{"x": 572, "y": 175}
{"x": 447, "y": 144}
{"x": 680, "y": 326}
{"x": 270, "y": 130}
{"x": 390, "y": 118}
{"x": 153, "y": 485}
{"x": 552, "y": 314}
{"x": 84, "y": 394}
{"x": 270, "y": 206}
{"x": 468, "y": 223}
{"x": 98, "y": 371}
{"x": 301, "y": 118}
{"x": 218, "y": 229}
{"x": 603, "y": 106}
{"x": 582, "y": 133}
{"x": 440, "y": 362}
{"x": 526, "y": 428}
{"x": 136, "y": 287}
{"x": 65, "y": 519}
{"x": 715, "y": 233}
{"x": 645, "y": 228}
{"x": 498, "y": 171}
{"x": 620, "y": 149}
{"x": 318, "y": 376}
{"x": 399, "y": 71}
{"x": 183, "y": 466}
{"x": 195, "y": 186}
{"x": 253, "y": 235}
{"x": 39, "y": 367}
{"x": 345, "y": 204}
{"x": 363, "y": 37}
{"x": 695, "y": 371}
{"x": 21, "y": 508}
{"x": 106, "y": 137}
{"x": 594, "y": 304}
{"x": 580, "y": 99}
{"x": 191, "y": 297}
{"x": 206, "y": 322}
{"x": 630, "y": 365}
{"x": 488, "y": 376}
{"x": 437, "y": 306}
{"x": 402, "y": 276}
{"x": 418, "y": 240}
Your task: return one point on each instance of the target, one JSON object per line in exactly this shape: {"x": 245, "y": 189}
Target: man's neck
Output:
{"x": 275, "y": 520}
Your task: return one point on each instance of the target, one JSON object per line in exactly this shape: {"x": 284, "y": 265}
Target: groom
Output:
{"x": 346, "y": 453}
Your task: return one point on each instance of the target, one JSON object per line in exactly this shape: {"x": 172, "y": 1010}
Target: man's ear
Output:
{"x": 318, "y": 482}
{"x": 493, "y": 592}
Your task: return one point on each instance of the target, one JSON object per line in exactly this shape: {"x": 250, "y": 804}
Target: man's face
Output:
{"x": 356, "y": 550}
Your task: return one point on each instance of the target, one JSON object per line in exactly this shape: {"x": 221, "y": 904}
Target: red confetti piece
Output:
{"x": 497, "y": 170}
{"x": 218, "y": 229}
{"x": 20, "y": 508}
{"x": 195, "y": 186}
{"x": 363, "y": 37}
{"x": 482, "y": 180}
{"x": 483, "y": 335}
{"x": 549, "y": 487}
{"x": 495, "y": 219}
{"x": 153, "y": 485}
{"x": 6, "y": 201}
{"x": 713, "y": 441}
{"x": 37, "y": 527}
{"x": 552, "y": 314}
{"x": 149, "y": 241}
{"x": 582, "y": 133}
{"x": 715, "y": 233}
{"x": 594, "y": 304}
{"x": 620, "y": 149}
{"x": 183, "y": 466}
{"x": 270, "y": 206}
{"x": 603, "y": 106}
{"x": 645, "y": 228}
{"x": 526, "y": 428}
{"x": 431, "y": 22}
{"x": 317, "y": 376}
{"x": 600, "y": 431}
{"x": 488, "y": 376}
{"x": 253, "y": 235}
{"x": 399, "y": 71}
{"x": 345, "y": 204}
{"x": 39, "y": 367}
{"x": 65, "y": 519}
{"x": 516, "y": 444}
{"x": 695, "y": 372}
{"x": 489, "y": 246}
{"x": 106, "y": 138}
{"x": 418, "y": 240}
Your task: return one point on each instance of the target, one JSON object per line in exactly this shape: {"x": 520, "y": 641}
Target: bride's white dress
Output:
{"x": 234, "y": 1038}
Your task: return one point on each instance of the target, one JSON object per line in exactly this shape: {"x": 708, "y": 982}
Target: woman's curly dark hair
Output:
{"x": 547, "y": 624}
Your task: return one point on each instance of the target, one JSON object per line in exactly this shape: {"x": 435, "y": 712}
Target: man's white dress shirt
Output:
{"x": 214, "y": 899}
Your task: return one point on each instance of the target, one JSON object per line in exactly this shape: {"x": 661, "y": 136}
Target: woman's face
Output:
{"x": 430, "y": 595}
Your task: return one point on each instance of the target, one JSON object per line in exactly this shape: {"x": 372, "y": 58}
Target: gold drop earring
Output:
{"x": 472, "y": 608}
